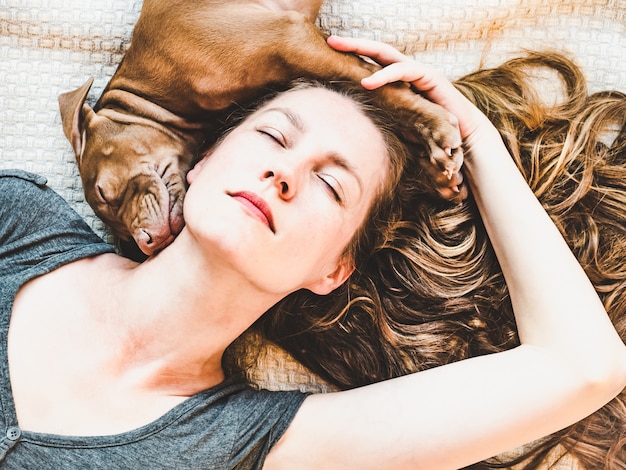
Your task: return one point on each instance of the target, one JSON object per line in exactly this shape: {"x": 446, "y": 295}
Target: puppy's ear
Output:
{"x": 73, "y": 111}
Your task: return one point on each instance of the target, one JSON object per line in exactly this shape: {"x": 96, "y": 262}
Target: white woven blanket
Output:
{"x": 51, "y": 46}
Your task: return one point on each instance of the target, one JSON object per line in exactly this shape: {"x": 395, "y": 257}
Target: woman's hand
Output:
{"x": 430, "y": 82}
{"x": 477, "y": 132}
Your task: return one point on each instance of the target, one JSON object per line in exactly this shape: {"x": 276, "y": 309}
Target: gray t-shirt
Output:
{"x": 230, "y": 426}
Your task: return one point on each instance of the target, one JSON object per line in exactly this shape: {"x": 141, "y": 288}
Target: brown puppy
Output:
{"x": 188, "y": 61}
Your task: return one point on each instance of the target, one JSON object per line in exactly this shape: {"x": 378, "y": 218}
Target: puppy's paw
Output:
{"x": 437, "y": 132}
{"x": 445, "y": 155}
{"x": 449, "y": 187}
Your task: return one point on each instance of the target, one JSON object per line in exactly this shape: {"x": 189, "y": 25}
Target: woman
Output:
{"x": 129, "y": 356}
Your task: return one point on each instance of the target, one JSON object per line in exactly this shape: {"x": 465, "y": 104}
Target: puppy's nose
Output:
{"x": 151, "y": 242}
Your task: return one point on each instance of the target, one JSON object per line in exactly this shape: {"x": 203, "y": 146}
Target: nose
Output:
{"x": 284, "y": 179}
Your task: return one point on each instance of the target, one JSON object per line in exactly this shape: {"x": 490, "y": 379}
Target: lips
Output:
{"x": 257, "y": 207}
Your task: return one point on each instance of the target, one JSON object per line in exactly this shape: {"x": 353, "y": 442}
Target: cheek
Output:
{"x": 324, "y": 236}
{"x": 199, "y": 208}
{"x": 232, "y": 153}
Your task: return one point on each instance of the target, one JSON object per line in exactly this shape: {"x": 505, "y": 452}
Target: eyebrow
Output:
{"x": 335, "y": 158}
{"x": 340, "y": 161}
{"x": 294, "y": 119}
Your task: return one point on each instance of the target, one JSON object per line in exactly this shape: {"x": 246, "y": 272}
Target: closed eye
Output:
{"x": 331, "y": 185}
{"x": 273, "y": 134}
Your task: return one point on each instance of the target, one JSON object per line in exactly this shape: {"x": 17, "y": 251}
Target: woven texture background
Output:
{"x": 51, "y": 46}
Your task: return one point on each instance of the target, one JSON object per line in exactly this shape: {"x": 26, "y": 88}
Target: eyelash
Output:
{"x": 273, "y": 134}
{"x": 330, "y": 187}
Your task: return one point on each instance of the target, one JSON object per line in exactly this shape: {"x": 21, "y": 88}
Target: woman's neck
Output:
{"x": 175, "y": 314}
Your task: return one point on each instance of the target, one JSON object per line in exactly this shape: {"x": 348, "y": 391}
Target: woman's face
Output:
{"x": 280, "y": 197}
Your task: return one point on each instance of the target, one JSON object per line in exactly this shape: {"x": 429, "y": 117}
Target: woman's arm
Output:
{"x": 570, "y": 362}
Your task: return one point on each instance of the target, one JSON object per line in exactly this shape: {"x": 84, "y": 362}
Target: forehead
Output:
{"x": 312, "y": 102}
{"x": 337, "y": 123}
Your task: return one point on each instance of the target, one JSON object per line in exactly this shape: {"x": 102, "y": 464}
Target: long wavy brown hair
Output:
{"x": 430, "y": 291}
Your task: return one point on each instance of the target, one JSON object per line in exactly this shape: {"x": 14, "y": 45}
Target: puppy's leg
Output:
{"x": 309, "y": 8}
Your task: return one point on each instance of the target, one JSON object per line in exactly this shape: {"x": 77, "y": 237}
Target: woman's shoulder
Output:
{"x": 36, "y": 224}
{"x": 25, "y": 196}
{"x": 14, "y": 181}
{"x": 19, "y": 193}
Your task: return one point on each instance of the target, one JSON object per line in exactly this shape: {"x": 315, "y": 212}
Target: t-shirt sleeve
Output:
{"x": 36, "y": 224}
{"x": 263, "y": 418}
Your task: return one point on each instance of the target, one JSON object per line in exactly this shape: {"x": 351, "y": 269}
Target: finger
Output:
{"x": 424, "y": 78}
{"x": 429, "y": 81}
{"x": 398, "y": 67}
{"x": 398, "y": 71}
{"x": 381, "y": 53}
